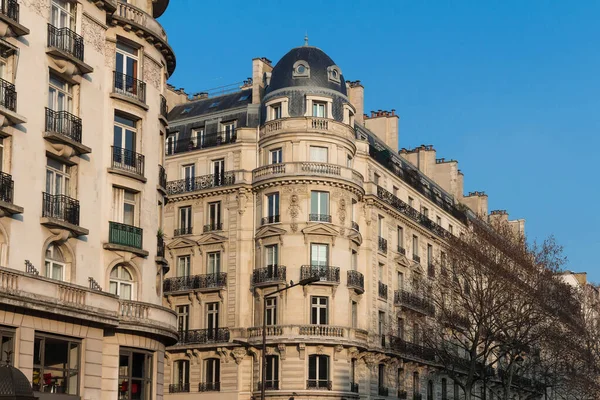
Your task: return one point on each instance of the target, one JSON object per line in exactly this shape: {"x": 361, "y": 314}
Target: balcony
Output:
{"x": 205, "y": 282}
{"x": 356, "y": 281}
{"x": 6, "y": 195}
{"x": 416, "y": 258}
{"x": 8, "y": 104}
{"x": 62, "y": 127}
{"x": 318, "y": 384}
{"x": 164, "y": 110}
{"x": 125, "y": 237}
{"x": 9, "y": 15}
{"x": 201, "y": 336}
{"x": 382, "y": 290}
{"x": 269, "y": 275}
{"x": 149, "y": 318}
{"x": 406, "y": 299}
{"x": 128, "y": 88}
{"x": 64, "y": 45}
{"x": 382, "y": 245}
{"x": 354, "y": 387}
{"x": 355, "y": 226}
{"x": 383, "y": 391}
{"x": 271, "y": 219}
{"x": 216, "y": 226}
{"x": 321, "y": 330}
{"x": 308, "y": 124}
{"x": 411, "y": 350}
{"x": 401, "y": 250}
{"x": 188, "y": 230}
{"x": 204, "y": 141}
{"x": 431, "y": 270}
{"x": 319, "y": 218}
{"x": 62, "y": 212}
{"x": 209, "y": 386}
{"x": 326, "y": 274}
{"x": 127, "y": 162}
{"x": 160, "y": 247}
{"x": 307, "y": 169}
{"x": 200, "y": 182}
{"x": 179, "y": 388}
{"x": 162, "y": 179}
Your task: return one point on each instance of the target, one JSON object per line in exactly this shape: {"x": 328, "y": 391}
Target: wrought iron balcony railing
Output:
{"x": 7, "y": 186}
{"x": 60, "y": 207}
{"x": 129, "y": 86}
{"x": 271, "y": 273}
{"x": 10, "y": 8}
{"x": 8, "y": 95}
{"x": 125, "y": 235}
{"x": 383, "y": 290}
{"x": 318, "y": 384}
{"x": 319, "y": 218}
{"x": 187, "y": 230}
{"x": 204, "y": 141}
{"x": 64, "y": 123}
{"x": 354, "y": 387}
{"x": 164, "y": 111}
{"x": 356, "y": 280}
{"x": 271, "y": 219}
{"x": 216, "y": 226}
{"x": 383, "y": 391}
{"x": 209, "y": 386}
{"x": 192, "y": 282}
{"x": 66, "y": 40}
{"x": 127, "y": 160}
{"x": 269, "y": 385}
{"x": 401, "y": 250}
{"x": 413, "y": 301}
{"x": 382, "y": 244}
{"x": 162, "y": 177}
{"x": 324, "y": 272}
{"x": 210, "y": 335}
{"x": 416, "y": 258}
{"x": 179, "y": 388}
{"x": 160, "y": 246}
{"x": 200, "y": 182}
{"x": 411, "y": 349}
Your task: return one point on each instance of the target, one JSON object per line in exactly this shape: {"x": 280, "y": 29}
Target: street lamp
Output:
{"x": 302, "y": 282}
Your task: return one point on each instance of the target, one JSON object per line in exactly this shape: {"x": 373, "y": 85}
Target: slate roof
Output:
{"x": 210, "y": 105}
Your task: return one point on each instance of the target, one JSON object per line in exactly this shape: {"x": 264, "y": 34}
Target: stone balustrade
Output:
{"x": 306, "y": 125}
{"x": 307, "y": 168}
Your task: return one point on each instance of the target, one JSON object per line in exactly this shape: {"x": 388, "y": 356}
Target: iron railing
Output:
{"x": 215, "y": 226}
{"x": 94, "y": 285}
{"x": 192, "y": 282}
{"x": 382, "y": 244}
{"x": 61, "y": 207}
{"x": 383, "y": 290}
{"x": 203, "y": 141}
{"x": 318, "y": 384}
{"x": 413, "y": 301}
{"x": 271, "y": 219}
{"x": 401, "y": 250}
{"x": 127, "y": 160}
{"x": 325, "y": 273}
{"x": 200, "y": 182}
{"x": 162, "y": 177}
{"x": 160, "y": 246}
{"x": 209, "y": 335}
{"x": 209, "y": 386}
{"x": 66, "y": 40}
{"x": 319, "y": 217}
{"x": 10, "y": 8}
{"x": 125, "y": 235}
{"x": 383, "y": 391}
{"x": 354, "y": 387}
{"x": 401, "y": 346}
{"x": 356, "y": 280}
{"x": 129, "y": 86}
{"x": 416, "y": 258}
{"x": 179, "y": 388}
{"x": 7, "y": 187}
{"x": 8, "y": 95}
{"x": 355, "y": 226}
{"x": 183, "y": 231}
{"x": 64, "y": 123}
{"x": 271, "y": 273}
{"x": 164, "y": 111}
{"x": 269, "y": 385}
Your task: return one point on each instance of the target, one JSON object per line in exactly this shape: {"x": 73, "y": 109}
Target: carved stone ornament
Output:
{"x": 152, "y": 72}
{"x": 41, "y": 7}
{"x": 320, "y": 349}
{"x": 93, "y": 34}
{"x": 294, "y": 211}
{"x": 281, "y": 348}
{"x": 242, "y": 200}
{"x": 238, "y": 354}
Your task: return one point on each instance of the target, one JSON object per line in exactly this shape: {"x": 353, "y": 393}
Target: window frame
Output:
{"x": 273, "y": 207}
{"x": 68, "y": 373}
{"x": 276, "y": 154}
{"x": 50, "y": 261}
{"x": 317, "y": 305}
{"x": 147, "y": 379}
{"x": 119, "y": 281}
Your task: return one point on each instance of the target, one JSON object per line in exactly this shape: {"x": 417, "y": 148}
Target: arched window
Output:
{"x": 121, "y": 282}
{"x": 55, "y": 263}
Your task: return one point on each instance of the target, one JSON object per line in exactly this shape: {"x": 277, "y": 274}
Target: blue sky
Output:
{"x": 510, "y": 89}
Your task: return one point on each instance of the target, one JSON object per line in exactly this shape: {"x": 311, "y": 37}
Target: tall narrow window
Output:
{"x": 62, "y": 14}
{"x": 451, "y": 229}
{"x": 319, "y": 154}
{"x": 400, "y": 236}
{"x": 272, "y": 208}
{"x": 198, "y": 139}
{"x": 381, "y": 323}
{"x": 228, "y": 129}
{"x": 400, "y": 328}
{"x": 170, "y": 143}
{"x": 425, "y": 211}
{"x": 416, "y": 384}
{"x": 185, "y": 220}
{"x": 429, "y": 254}
{"x": 214, "y": 217}
{"x": 456, "y": 391}
{"x": 380, "y": 226}
{"x": 181, "y": 370}
{"x": 183, "y": 266}
{"x": 276, "y": 156}
{"x": 7, "y": 346}
{"x": 376, "y": 177}
{"x": 319, "y": 312}
{"x": 126, "y": 70}
{"x": 60, "y": 95}
{"x": 430, "y": 390}
{"x": 272, "y": 260}
{"x": 124, "y": 143}
{"x": 129, "y": 203}
{"x": 183, "y": 318}
{"x": 353, "y": 373}
{"x": 213, "y": 265}
{"x": 354, "y": 260}
{"x": 55, "y": 263}
{"x": 271, "y": 310}
{"x": 319, "y": 254}
{"x": 416, "y": 334}
{"x": 218, "y": 171}
{"x": 400, "y": 281}
{"x": 272, "y": 373}
{"x": 212, "y": 376}
{"x": 319, "y": 206}
{"x": 415, "y": 247}
{"x": 354, "y": 314}
{"x": 381, "y": 378}
{"x": 444, "y": 389}
{"x": 411, "y": 201}
{"x": 438, "y": 220}
{"x": 57, "y": 177}
{"x": 319, "y": 109}
{"x": 318, "y": 372}
{"x": 188, "y": 173}
{"x": 212, "y": 319}
{"x": 276, "y": 111}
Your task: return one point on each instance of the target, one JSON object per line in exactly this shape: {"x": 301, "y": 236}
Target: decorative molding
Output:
{"x": 93, "y": 33}
{"x": 238, "y": 354}
{"x": 281, "y": 347}
{"x": 242, "y": 200}
{"x": 151, "y": 72}
{"x": 301, "y": 350}
{"x": 41, "y": 7}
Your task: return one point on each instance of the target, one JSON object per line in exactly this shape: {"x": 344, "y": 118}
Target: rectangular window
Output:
{"x": 170, "y": 143}
{"x": 381, "y": 271}
{"x": 271, "y": 310}
{"x": 126, "y": 71}
{"x": 276, "y": 111}
{"x": 318, "y": 312}
{"x": 218, "y": 172}
{"x": 400, "y": 237}
{"x": 451, "y": 229}
{"x": 400, "y": 328}
{"x": 319, "y": 154}
{"x": 411, "y": 201}
{"x": 7, "y": 346}
{"x": 272, "y": 208}
{"x": 124, "y": 143}
{"x": 319, "y": 206}
{"x": 318, "y": 371}
{"x": 438, "y": 220}
{"x": 183, "y": 266}
{"x": 354, "y": 261}
{"x": 272, "y": 373}
{"x": 276, "y": 156}
{"x": 416, "y": 334}
{"x": 349, "y": 161}
{"x": 319, "y": 109}
{"x": 183, "y": 318}
{"x": 56, "y": 364}
{"x": 214, "y": 216}
{"x": 125, "y": 203}
{"x": 319, "y": 254}
{"x": 272, "y": 255}
{"x": 60, "y": 97}
{"x": 62, "y": 14}
{"x": 380, "y": 226}
{"x": 198, "y": 139}
{"x": 188, "y": 173}
{"x": 381, "y": 323}
{"x": 429, "y": 254}
{"x": 353, "y": 371}
{"x": 57, "y": 177}
{"x": 228, "y": 129}
{"x": 400, "y": 281}
{"x": 181, "y": 370}
{"x": 212, "y": 376}
{"x": 213, "y": 264}
{"x": 381, "y": 375}
{"x": 212, "y": 318}
{"x": 376, "y": 178}
{"x": 395, "y": 191}
{"x": 135, "y": 374}
{"x": 425, "y": 211}
{"x": 185, "y": 220}
{"x": 354, "y": 314}
{"x": 415, "y": 246}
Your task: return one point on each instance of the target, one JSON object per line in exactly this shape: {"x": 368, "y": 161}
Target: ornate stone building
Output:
{"x": 287, "y": 178}
{"x": 83, "y": 119}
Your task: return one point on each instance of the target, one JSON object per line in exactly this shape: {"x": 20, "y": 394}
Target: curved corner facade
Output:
{"x": 82, "y": 257}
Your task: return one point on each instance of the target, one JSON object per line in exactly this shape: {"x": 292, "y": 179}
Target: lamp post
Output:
{"x": 303, "y": 282}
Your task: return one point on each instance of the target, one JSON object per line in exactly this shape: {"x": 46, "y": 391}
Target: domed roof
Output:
{"x": 14, "y": 384}
{"x": 306, "y": 66}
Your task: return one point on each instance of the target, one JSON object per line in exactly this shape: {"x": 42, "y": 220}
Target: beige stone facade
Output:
{"x": 81, "y": 192}
{"x": 308, "y": 185}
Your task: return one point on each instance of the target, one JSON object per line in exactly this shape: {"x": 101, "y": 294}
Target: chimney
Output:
{"x": 385, "y": 125}
{"x": 260, "y": 67}
{"x": 200, "y": 96}
{"x": 478, "y": 202}
{"x": 356, "y": 95}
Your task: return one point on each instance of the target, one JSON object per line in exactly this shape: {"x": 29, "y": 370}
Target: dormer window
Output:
{"x": 301, "y": 69}
{"x": 276, "y": 113}
{"x": 319, "y": 109}
{"x": 334, "y": 74}
{"x": 277, "y": 108}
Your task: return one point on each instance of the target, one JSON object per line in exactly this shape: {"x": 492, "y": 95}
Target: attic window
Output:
{"x": 216, "y": 103}
{"x": 186, "y": 110}
{"x": 244, "y": 97}
{"x": 334, "y": 74}
{"x": 301, "y": 69}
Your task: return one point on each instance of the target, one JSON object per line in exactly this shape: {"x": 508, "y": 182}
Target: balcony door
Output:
{"x": 185, "y": 220}
{"x": 189, "y": 174}
{"x": 218, "y": 171}
{"x": 183, "y": 266}
{"x": 213, "y": 266}
{"x": 319, "y": 255}
{"x": 319, "y": 206}
{"x": 124, "y": 141}
{"x": 182, "y": 374}
{"x": 125, "y": 203}
{"x": 62, "y": 14}
{"x": 214, "y": 216}
{"x": 212, "y": 319}
{"x": 183, "y": 318}
{"x": 126, "y": 69}
{"x": 318, "y": 371}
{"x": 60, "y": 96}
{"x": 57, "y": 177}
